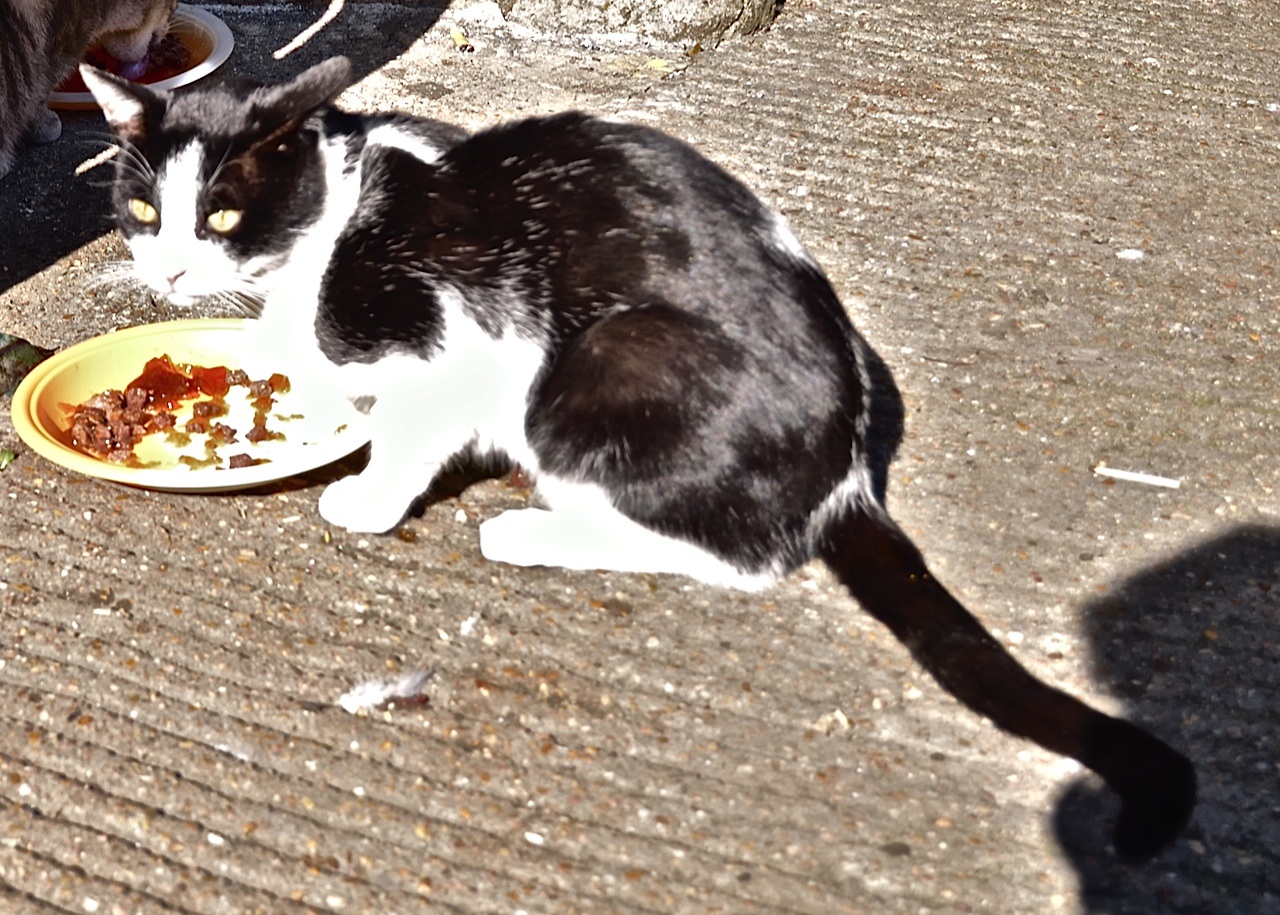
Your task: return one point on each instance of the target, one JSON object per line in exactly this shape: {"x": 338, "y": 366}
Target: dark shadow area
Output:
{"x": 888, "y": 418}
{"x": 1193, "y": 646}
{"x": 47, "y": 211}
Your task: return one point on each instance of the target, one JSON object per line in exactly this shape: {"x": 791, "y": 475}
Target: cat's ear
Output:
{"x": 123, "y": 103}
{"x": 312, "y": 88}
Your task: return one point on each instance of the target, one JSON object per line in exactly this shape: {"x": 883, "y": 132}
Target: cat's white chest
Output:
{"x": 470, "y": 392}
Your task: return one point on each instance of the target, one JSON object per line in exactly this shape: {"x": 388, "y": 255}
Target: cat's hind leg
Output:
{"x": 583, "y": 530}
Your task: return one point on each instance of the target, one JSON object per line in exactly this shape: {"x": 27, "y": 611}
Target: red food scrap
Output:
{"x": 214, "y": 381}
{"x": 108, "y": 425}
{"x": 162, "y": 384}
{"x": 260, "y": 432}
{"x": 207, "y": 409}
{"x": 221, "y": 434}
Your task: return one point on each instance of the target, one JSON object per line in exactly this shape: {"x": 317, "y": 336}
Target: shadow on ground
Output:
{"x": 1194, "y": 645}
{"x": 47, "y": 211}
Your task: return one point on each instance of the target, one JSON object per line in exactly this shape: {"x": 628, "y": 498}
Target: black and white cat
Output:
{"x": 42, "y": 40}
{"x": 604, "y": 306}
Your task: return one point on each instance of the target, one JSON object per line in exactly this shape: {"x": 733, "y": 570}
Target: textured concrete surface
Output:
{"x": 1061, "y": 232}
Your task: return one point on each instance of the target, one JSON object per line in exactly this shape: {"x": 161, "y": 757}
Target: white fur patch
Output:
{"x": 398, "y": 138}
{"x": 293, "y": 288}
{"x": 473, "y": 392}
{"x": 782, "y": 238}
{"x": 368, "y": 695}
{"x": 173, "y": 261}
{"x": 582, "y": 530}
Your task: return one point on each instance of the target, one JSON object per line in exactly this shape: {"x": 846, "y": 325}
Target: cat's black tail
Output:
{"x": 876, "y": 561}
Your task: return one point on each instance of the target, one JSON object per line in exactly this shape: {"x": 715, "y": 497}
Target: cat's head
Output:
{"x": 214, "y": 185}
{"x": 131, "y": 29}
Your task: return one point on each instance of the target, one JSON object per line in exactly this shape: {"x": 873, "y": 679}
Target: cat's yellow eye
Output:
{"x": 144, "y": 212}
{"x": 223, "y": 221}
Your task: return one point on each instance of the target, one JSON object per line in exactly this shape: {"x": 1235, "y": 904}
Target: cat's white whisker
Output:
{"x": 113, "y": 273}
{"x": 243, "y": 301}
{"x": 133, "y": 162}
{"x": 214, "y": 184}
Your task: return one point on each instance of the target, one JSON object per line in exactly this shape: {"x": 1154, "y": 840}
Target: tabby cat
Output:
{"x": 42, "y": 40}
{"x": 608, "y": 309}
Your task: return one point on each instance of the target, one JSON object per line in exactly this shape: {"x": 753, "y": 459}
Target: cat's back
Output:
{"x": 640, "y": 215}
{"x": 26, "y": 27}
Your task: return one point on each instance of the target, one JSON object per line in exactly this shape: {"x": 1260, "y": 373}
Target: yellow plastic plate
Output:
{"x": 206, "y": 37}
{"x": 320, "y": 426}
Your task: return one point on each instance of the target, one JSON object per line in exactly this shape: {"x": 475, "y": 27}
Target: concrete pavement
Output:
{"x": 1061, "y": 232}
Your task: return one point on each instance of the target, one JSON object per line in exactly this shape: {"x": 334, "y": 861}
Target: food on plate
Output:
{"x": 167, "y": 57}
{"x": 110, "y": 424}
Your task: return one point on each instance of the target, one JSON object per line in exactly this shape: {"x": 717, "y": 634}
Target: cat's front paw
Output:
{"x": 356, "y": 504}
{"x": 46, "y": 128}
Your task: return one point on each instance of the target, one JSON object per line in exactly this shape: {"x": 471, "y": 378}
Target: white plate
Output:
{"x": 202, "y": 32}
{"x": 320, "y": 426}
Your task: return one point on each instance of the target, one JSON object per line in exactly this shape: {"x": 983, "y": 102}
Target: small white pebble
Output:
{"x": 460, "y": 516}
{"x": 533, "y": 838}
{"x": 214, "y": 839}
{"x": 1131, "y": 254}
{"x": 90, "y": 904}
{"x": 1066, "y": 766}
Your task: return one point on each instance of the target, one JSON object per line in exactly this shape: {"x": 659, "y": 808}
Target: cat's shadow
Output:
{"x": 1193, "y": 645}
{"x": 47, "y": 211}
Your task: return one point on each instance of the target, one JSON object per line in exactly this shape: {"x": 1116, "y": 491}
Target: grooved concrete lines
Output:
{"x": 1058, "y": 224}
